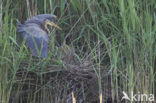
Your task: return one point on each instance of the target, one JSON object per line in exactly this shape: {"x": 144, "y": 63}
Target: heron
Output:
{"x": 35, "y": 33}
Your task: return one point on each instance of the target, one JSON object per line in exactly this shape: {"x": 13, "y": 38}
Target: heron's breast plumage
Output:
{"x": 35, "y": 36}
{"x": 33, "y": 30}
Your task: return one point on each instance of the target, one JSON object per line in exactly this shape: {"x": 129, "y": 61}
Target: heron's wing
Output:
{"x": 36, "y": 39}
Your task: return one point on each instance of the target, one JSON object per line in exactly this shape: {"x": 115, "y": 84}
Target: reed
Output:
{"x": 116, "y": 35}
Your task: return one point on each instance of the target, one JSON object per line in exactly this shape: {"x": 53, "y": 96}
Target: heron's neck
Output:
{"x": 46, "y": 28}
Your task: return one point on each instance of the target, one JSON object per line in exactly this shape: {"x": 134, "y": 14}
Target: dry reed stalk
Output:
{"x": 73, "y": 97}
{"x": 100, "y": 97}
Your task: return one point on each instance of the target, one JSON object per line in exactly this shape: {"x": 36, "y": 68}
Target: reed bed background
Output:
{"x": 115, "y": 36}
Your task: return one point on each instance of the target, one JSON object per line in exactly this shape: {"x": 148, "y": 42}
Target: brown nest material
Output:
{"x": 58, "y": 85}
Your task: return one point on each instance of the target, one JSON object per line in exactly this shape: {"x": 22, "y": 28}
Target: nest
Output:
{"x": 59, "y": 85}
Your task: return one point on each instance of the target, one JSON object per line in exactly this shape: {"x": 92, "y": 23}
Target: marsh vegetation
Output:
{"x": 105, "y": 47}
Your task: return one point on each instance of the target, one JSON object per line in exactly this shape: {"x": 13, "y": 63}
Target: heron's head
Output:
{"x": 43, "y": 20}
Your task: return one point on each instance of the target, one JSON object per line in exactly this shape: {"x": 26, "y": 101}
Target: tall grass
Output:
{"x": 120, "y": 36}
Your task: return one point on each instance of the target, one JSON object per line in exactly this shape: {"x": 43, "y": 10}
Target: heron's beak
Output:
{"x": 52, "y": 24}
